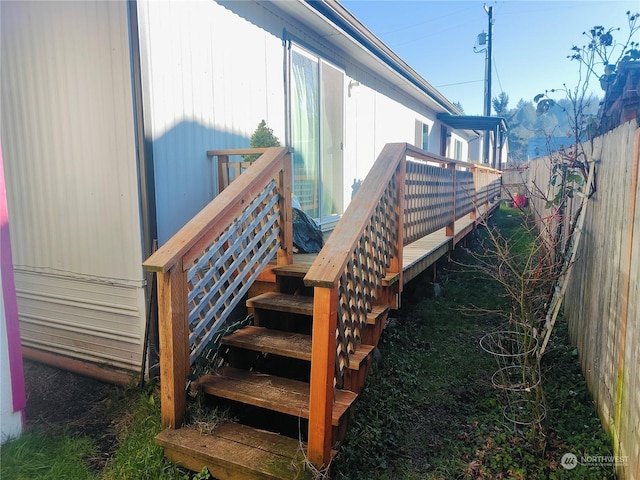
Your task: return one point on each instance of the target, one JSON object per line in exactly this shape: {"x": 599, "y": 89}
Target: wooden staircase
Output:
{"x": 292, "y": 376}
{"x": 265, "y": 386}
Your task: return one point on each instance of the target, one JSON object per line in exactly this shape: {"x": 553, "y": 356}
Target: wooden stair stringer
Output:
{"x": 376, "y": 320}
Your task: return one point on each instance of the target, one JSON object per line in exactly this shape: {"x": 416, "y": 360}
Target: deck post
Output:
{"x": 396, "y": 266}
{"x": 285, "y": 253}
{"x": 223, "y": 172}
{"x": 474, "y": 213}
{"x": 323, "y": 359}
{"x": 174, "y": 344}
{"x": 450, "y": 229}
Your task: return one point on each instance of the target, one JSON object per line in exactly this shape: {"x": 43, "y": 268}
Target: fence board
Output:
{"x": 601, "y": 305}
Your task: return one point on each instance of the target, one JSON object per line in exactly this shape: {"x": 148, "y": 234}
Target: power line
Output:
{"x": 458, "y": 83}
{"x": 495, "y": 67}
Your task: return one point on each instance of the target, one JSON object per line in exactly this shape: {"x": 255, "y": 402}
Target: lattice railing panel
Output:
{"x": 218, "y": 280}
{"x": 363, "y": 275}
{"x": 428, "y": 199}
{"x": 494, "y": 188}
{"x": 482, "y": 187}
{"x": 465, "y": 192}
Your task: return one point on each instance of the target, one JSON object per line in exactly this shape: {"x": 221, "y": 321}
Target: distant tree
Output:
{"x": 569, "y": 164}
{"x": 262, "y": 137}
{"x": 602, "y": 50}
{"x": 501, "y": 104}
{"x": 459, "y": 106}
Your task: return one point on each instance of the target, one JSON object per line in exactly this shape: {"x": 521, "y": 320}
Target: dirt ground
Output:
{"x": 57, "y": 399}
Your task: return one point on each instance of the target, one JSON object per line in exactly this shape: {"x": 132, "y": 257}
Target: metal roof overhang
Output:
{"x": 474, "y": 122}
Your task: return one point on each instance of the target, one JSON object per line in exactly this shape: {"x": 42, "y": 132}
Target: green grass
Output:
{"x": 64, "y": 455}
{"x": 137, "y": 455}
{"x": 41, "y": 455}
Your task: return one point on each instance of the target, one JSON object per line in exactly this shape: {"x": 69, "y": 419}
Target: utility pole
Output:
{"x": 487, "y": 64}
{"x": 487, "y": 80}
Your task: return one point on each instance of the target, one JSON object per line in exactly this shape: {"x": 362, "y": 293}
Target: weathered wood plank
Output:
{"x": 602, "y": 293}
{"x": 376, "y": 314}
{"x": 283, "y": 302}
{"x": 234, "y": 451}
{"x": 298, "y": 270}
{"x": 279, "y": 394}
{"x": 239, "y": 151}
{"x": 285, "y": 252}
{"x": 174, "y": 344}
{"x": 323, "y": 361}
{"x": 276, "y": 342}
{"x": 360, "y": 356}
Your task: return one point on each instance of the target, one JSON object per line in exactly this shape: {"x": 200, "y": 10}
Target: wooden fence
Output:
{"x": 602, "y": 303}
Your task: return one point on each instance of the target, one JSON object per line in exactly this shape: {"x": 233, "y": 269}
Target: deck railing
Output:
{"x": 206, "y": 268}
{"x": 401, "y": 200}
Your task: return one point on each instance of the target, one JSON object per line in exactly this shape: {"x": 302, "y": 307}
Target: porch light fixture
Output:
{"x": 352, "y": 84}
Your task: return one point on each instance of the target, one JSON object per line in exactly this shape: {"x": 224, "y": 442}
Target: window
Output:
{"x": 422, "y": 135}
{"x": 425, "y": 136}
{"x": 457, "y": 149}
{"x": 317, "y": 124}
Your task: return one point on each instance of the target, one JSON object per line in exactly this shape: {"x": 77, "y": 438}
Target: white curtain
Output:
{"x": 305, "y": 132}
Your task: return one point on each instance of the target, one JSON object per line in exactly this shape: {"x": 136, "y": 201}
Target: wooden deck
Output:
{"x": 424, "y": 252}
{"x": 317, "y": 319}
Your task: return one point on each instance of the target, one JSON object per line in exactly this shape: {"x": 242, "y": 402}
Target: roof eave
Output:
{"x": 342, "y": 20}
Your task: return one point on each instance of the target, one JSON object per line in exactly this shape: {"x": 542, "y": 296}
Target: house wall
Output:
{"x": 209, "y": 78}
{"x": 72, "y": 183}
{"x": 211, "y": 71}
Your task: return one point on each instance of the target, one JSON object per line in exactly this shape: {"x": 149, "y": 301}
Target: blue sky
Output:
{"x": 531, "y": 41}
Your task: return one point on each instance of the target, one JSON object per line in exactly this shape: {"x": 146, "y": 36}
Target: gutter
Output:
{"x": 339, "y": 16}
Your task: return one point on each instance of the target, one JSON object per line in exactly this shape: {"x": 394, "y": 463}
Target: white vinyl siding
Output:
{"x": 209, "y": 78}
{"x": 72, "y": 185}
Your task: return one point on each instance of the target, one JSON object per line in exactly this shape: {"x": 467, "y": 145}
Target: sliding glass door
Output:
{"x": 317, "y": 129}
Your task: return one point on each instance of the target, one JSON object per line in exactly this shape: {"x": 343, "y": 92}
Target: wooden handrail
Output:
{"x": 367, "y": 245}
{"x": 185, "y": 262}
{"x": 213, "y": 219}
{"x": 416, "y": 152}
{"x": 239, "y": 151}
{"x": 330, "y": 262}
{"x": 347, "y": 276}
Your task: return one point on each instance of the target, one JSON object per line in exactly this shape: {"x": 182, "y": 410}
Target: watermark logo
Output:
{"x": 571, "y": 461}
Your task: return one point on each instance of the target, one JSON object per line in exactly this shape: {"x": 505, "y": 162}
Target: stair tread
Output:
{"x": 277, "y": 342}
{"x": 390, "y": 279}
{"x": 279, "y": 394}
{"x": 233, "y": 450}
{"x": 376, "y": 313}
{"x": 285, "y": 344}
{"x": 357, "y": 358}
{"x": 282, "y": 302}
{"x": 293, "y": 270}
